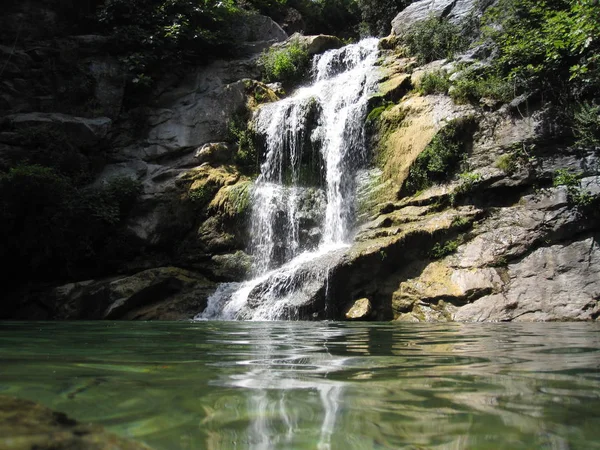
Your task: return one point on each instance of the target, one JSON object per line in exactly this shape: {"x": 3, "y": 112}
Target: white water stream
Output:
{"x": 314, "y": 140}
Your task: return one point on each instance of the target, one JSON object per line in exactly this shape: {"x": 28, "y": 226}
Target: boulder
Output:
{"x": 214, "y": 152}
{"x": 360, "y": 310}
{"x": 318, "y": 43}
{"x": 28, "y": 425}
{"x": 163, "y": 293}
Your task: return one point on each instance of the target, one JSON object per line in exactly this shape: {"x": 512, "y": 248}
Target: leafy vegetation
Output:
{"x": 435, "y": 82}
{"x": 433, "y": 39}
{"x": 441, "y": 158}
{"x": 576, "y": 194}
{"x": 287, "y": 64}
{"x": 586, "y": 125}
{"x": 439, "y": 250}
{"x": 472, "y": 86}
{"x": 246, "y": 156}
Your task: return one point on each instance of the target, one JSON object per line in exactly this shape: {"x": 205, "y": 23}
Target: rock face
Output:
{"x": 28, "y": 425}
{"x": 499, "y": 243}
{"x": 164, "y": 293}
{"x": 457, "y": 11}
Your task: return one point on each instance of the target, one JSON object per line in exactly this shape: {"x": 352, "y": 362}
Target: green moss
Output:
{"x": 376, "y": 113}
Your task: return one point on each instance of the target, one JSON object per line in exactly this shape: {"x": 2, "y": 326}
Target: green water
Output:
{"x": 298, "y": 385}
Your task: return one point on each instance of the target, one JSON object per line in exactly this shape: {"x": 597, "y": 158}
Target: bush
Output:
{"x": 436, "y": 82}
{"x": 246, "y": 156}
{"x": 286, "y": 64}
{"x": 472, "y": 86}
{"x": 434, "y": 39}
{"x": 586, "y": 127}
{"x": 441, "y": 158}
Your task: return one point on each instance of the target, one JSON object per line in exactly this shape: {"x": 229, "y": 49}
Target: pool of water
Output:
{"x": 322, "y": 385}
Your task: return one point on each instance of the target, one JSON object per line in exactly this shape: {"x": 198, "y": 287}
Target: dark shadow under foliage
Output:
{"x": 54, "y": 229}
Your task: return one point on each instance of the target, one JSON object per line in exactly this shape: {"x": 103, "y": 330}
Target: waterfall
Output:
{"x": 303, "y": 202}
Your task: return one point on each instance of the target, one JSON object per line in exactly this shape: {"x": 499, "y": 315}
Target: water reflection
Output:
{"x": 288, "y": 359}
{"x": 235, "y": 385}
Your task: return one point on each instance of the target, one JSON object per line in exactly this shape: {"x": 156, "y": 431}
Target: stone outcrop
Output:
{"x": 27, "y": 425}
{"x": 457, "y": 11}
{"x": 164, "y": 293}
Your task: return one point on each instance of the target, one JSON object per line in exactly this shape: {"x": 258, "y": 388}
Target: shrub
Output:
{"x": 439, "y": 250}
{"x": 287, "y": 64}
{"x": 436, "y": 82}
{"x": 434, "y": 39}
{"x": 246, "y": 156}
{"x": 441, "y": 157}
{"x": 586, "y": 127}
{"x": 472, "y": 86}
{"x": 576, "y": 194}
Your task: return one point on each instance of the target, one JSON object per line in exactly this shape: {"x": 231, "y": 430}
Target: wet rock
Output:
{"x": 163, "y": 293}
{"x": 318, "y": 43}
{"x": 360, "y": 309}
{"x": 216, "y": 152}
{"x": 28, "y": 425}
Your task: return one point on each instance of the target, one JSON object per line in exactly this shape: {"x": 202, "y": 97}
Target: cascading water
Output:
{"x": 314, "y": 143}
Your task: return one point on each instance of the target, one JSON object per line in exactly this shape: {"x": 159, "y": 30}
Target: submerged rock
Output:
{"x": 27, "y": 425}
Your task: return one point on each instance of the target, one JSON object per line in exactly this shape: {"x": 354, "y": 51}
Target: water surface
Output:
{"x": 326, "y": 385}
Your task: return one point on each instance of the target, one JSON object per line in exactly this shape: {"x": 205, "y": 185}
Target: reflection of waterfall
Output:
{"x": 280, "y": 369}
{"x": 303, "y": 203}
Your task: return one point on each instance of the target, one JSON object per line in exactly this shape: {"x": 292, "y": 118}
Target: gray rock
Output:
{"x": 457, "y": 11}
{"x": 560, "y": 282}
{"x": 318, "y": 43}
{"x": 80, "y": 130}
{"x": 163, "y": 293}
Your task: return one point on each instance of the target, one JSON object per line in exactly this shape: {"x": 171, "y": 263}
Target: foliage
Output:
{"x": 52, "y": 147}
{"x": 468, "y": 181}
{"x": 576, "y": 194}
{"x": 507, "y": 162}
{"x": 586, "y": 126}
{"x": 287, "y": 64}
{"x": 434, "y": 38}
{"x": 377, "y": 15}
{"x": 56, "y": 228}
{"x": 441, "y": 157}
{"x": 435, "y": 82}
{"x": 547, "y": 45}
{"x": 246, "y": 156}
{"x": 472, "y": 86}
{"x": 439, "y": 250}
